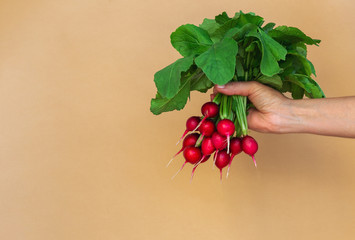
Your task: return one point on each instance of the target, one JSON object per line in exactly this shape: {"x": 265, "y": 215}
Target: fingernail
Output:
{"x": 220, "y": 86}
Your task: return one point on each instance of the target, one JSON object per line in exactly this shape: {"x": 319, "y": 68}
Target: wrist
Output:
{"x": 293, "y": 117}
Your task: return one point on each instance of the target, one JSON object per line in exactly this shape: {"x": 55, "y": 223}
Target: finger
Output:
{"x": 250, "y": 118}
{"x": 238, "y": 88}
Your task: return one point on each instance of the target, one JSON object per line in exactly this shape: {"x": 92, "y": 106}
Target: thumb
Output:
{"x": 238, "y": 88}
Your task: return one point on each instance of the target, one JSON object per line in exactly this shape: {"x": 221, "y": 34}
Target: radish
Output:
{"x": 219, "y": 142}
{"x": 250, "y": 146}
{"x": 226, "y": 128}
{"x": 236, "y": 148}
{"x": 190, "y": 140}
{"x": 191, "y": 125}
{"x": 222, "y": 160}
{"x": 192, "y": 155}
{"x": 206, "y": 129}
{"x": 202, "y": 161}
{"x": 207, "y": 148}
{"x": 208, "y": 110}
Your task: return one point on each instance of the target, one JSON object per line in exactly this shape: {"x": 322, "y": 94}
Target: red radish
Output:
{"x": 207, "y": 148}
{"x": 206, "y": 129}
{"x": 226, "y": 128}
{"x": 208, "y": 110}
{"x": 236, "y": 148}
{"x": 219, "y": 142}
{"x": 192, "y": 155}
{"x": 202, "y": 161}
{"x": 250, "y": 146}
{"x": 190, "y": 140}
{"x": 191, "y": 124}
{"x": 222, "y": 160}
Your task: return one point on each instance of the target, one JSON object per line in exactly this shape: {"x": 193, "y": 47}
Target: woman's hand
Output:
{"x": 275, "y": 113}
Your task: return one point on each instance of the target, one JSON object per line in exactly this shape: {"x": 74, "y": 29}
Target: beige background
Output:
{"x": 81, "y": 156}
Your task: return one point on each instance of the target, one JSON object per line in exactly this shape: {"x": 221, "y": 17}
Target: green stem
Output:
{"x": 241, "y": 113}
{"x": 223, "y": 107}
{"x": 217, "y": 98}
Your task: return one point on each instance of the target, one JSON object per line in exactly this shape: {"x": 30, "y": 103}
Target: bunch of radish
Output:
{"x": 213, "y": 134}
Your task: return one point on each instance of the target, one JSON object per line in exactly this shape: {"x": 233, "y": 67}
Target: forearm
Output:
{"x": 331, "y": 116}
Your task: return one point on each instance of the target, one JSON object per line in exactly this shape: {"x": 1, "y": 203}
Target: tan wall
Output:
{"x": 81, "y": 156}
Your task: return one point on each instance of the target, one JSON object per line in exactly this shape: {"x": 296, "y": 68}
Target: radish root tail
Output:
{"x": 192, "y": 173}
{"x": 179, "y": 170}
{"x": 199, "y": 124}
{"x": 215, "y": 158}
{"x": 174, "y": 156}
{"x": 183, "y": 135}
{"x": 254, "y": 161}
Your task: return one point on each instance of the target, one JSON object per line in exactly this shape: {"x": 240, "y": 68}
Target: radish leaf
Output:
{"x": 220, "y": 32}
{"x": 167, "y": 80}
{"x": 201, "y": 83}
{"x": 190, "y": 40}
{"x": 222, "y": 18}
{"x": 308, "y": 84}
{"x": 297, "y": 91}
{"x": 218, "y": 63}
{"x": 209, "y": 25}
{"x": 239, "y": 33}
{"x": 303, "y": 62}
{"x": 273, "y": 81}
{"x": 268, "y": 27}
{"x": 249, "y": 18}
{"x": 289, "y": 35}
{"x": 272, "y": 52}
{"x": 163, "y": 104}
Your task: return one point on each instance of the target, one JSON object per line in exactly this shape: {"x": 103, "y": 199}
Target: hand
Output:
{"x": 271, "y": 107}
{"x": 275, "y": 113}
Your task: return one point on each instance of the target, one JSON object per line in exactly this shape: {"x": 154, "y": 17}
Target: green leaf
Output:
{"x": 162, "y": 104}
{"x": 241, "y": 23}
{"x": 251, "y": 46}
{"x": 273, "y": 81}
{"x": 300, "y": 47}
{"x": 296, "y": 91}
{"x": 306, "y": 83}
{"x": 290, "y": 35}
{"x": 190, "y": 40}
{"x": 286, "y": 86}
{"x": 249, "y": 18}
{"x": 220, "y": 32}
{"x": 268, "y": 27}
{"x": 239, "y": 67}
{"x": 222, "y": 18}
{"x": 218, "y": 63}
{"x": 313, "y": 70}
{"x": 272, "y": 52}
{"x": 321, "y": 94}
{"x": 209, "y": 25}
{"x": 201, "y": 83}
{"x": 237, "y": 14}
{"x": 239, "y": 33}
{"x": 306, "y": 66}
{"x": 167, "y": 80}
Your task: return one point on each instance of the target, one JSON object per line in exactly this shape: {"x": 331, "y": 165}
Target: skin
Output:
{"x": 275, "y": 113}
